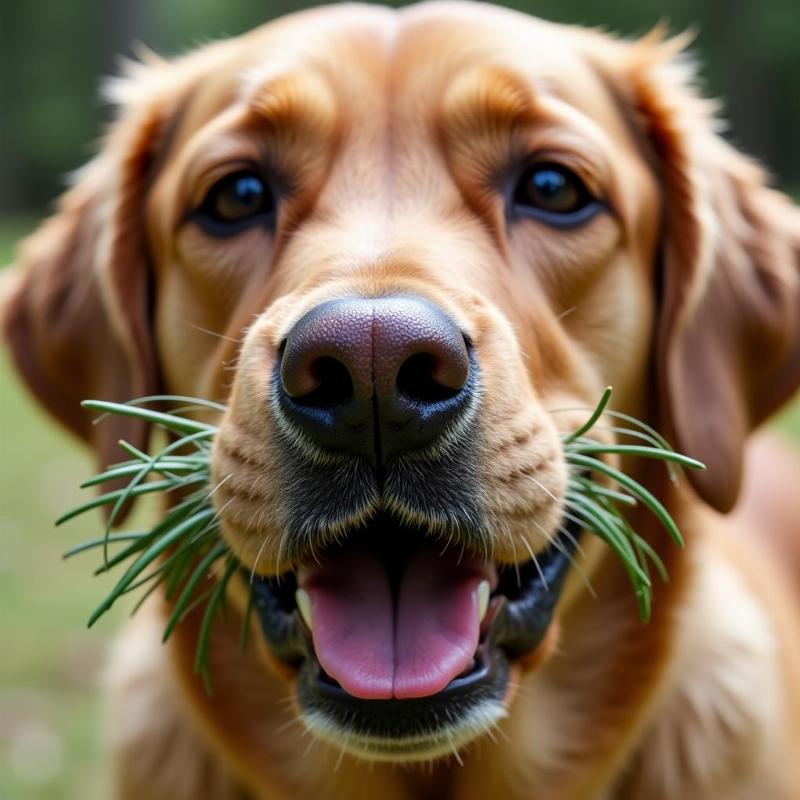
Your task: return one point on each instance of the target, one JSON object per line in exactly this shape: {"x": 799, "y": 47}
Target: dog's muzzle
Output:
{"x": 399, "y": 625}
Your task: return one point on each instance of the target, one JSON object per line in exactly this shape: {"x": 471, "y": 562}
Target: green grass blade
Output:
{"x": 97, "y": 541}
{"x": 638, "y": 578}
{"x": 212, "y": 608}
{"x": 584, "y": 485}
{"x": 172, "y": 465}
{"x": 595, "y": 415}
{"x": 173, "y": 518}
{"x": 186, "y": 595}
{"x": 147, "y": 468}
{"x": 147, "y": 558}
{"x": 607, "y": 525}
{"x": 635, "y": 488}
{"x": 177, "y": 398}
{"x": 643, "y": 452}
{"x": 110, "y": 497}
{"x": 641, "y": 436}
{"x": 168, "y": 421}
{"x": 138, "y": 454}
{"x": 648, "y": 553}
{"x": 185, "y": 556}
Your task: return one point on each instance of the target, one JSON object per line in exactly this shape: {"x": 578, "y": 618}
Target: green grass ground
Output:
{"x": 50, "y": 663}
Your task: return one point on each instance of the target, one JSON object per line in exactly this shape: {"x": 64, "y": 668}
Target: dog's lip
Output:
{"x": 520, "y": 611}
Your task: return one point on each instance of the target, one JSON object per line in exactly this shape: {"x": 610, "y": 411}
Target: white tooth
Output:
{"x": 483, "y": 599}
{"x": 303, "y": 601}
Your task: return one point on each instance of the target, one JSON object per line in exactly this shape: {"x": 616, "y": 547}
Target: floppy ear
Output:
{"x": 77, "y": 317}
{"x": 728, "y": 336}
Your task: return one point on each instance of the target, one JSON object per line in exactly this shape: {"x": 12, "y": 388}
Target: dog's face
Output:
{"x": 427, "y": 240}
{"x": 431, "y": 251}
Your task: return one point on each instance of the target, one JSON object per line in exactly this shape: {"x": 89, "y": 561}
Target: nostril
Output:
{"x": 417, "y": 380}
{"x": 376, "y": 376}
{"x": 332, "y": 384}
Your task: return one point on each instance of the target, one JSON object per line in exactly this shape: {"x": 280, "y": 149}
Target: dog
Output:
{"x": 408, "y": 250}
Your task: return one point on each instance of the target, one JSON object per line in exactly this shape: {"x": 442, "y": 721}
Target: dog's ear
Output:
{"x": 728, "y": 337}
{"x": 77, "y": 315}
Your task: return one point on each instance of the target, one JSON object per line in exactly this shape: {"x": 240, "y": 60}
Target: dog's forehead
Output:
{"x": 410, "y": 56}
{"x": 355, "y": 104}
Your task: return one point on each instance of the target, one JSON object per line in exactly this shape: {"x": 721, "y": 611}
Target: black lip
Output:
{"x": 521, "y": 618}
{"x": 395, "y": 720}
{"x": 521, "y": 622}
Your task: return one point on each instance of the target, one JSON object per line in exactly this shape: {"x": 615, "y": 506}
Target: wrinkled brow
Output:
{"x": 486, "y": 101}
{"x": 295, "y": 103}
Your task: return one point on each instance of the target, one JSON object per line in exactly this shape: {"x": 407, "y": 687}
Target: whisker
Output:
{"x": 522, "y": 689}
{"x": 516, "y": 561}
{"x": 342, "y": 750}
{"x": 307, "y": 732}
{"x": 572, "y": 540}
{"x": 285, "y": 727}
{"x": 215, "y": 334}
{"x": 258, "y": 558}
{"x": 456, "y": 754}
{"x": 566, "y": 312}
{"x": 217, "y": 514}
{"x": 211, "y": 492}
{"x": 311, "y": 744}
{"x": 496, "y": 725}
{"x": 581, "y": 572}
{"x": 564, "y": 551}
{"x": 536, "y": 563}
{"x": 544, "y": 489}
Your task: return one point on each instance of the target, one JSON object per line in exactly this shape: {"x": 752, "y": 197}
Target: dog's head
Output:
{"x": 407, "y": 248}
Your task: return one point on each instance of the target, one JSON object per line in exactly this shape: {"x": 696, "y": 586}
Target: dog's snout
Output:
{"x": 374, "y": 376}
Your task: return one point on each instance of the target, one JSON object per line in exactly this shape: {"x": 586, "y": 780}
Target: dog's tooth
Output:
{"x": 483, "y": 599}
{"x": 303, "y": 601}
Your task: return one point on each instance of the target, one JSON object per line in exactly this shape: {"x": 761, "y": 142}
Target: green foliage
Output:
{"x": 178, "y": 551}
{"x": 597, "y": 507}
{"x": 50, "y": 720}
{"x": 789, "y": 421}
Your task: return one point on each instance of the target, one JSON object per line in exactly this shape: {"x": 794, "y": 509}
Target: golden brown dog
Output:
{"x": 419, "y": 234}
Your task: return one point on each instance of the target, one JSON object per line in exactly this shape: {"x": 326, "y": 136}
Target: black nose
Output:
{"x": 377, "y": 377}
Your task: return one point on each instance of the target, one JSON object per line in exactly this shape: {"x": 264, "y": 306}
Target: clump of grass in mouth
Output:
{"x": 185, "y": 546}
{"x": 597, "y": 506}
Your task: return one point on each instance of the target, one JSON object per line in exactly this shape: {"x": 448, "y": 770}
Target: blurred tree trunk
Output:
{"x": 746, "y": 85}
{"x": 9, "y": 179}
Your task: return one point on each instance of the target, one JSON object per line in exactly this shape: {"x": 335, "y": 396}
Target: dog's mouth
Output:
{"x": 401, "y": 641}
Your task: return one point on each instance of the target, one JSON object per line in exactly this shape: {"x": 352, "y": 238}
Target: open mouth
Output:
{"x": 402, "y": 643}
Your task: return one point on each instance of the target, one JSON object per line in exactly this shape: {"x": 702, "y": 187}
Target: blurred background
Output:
{"x": 52, "y": 56}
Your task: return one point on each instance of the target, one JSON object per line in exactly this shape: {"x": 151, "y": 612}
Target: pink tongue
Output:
{"x": 376, "y": 649}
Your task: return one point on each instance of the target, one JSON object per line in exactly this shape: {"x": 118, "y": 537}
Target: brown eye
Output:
{"x": 234, "y": 203}
{"x": 554, "y": 194}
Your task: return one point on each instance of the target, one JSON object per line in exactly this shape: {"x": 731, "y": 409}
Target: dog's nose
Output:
{"x": 374, "y": 376}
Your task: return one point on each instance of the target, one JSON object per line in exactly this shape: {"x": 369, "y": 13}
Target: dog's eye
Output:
{"x": 236, "y": 202}
{"x": 553, "y": 193}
